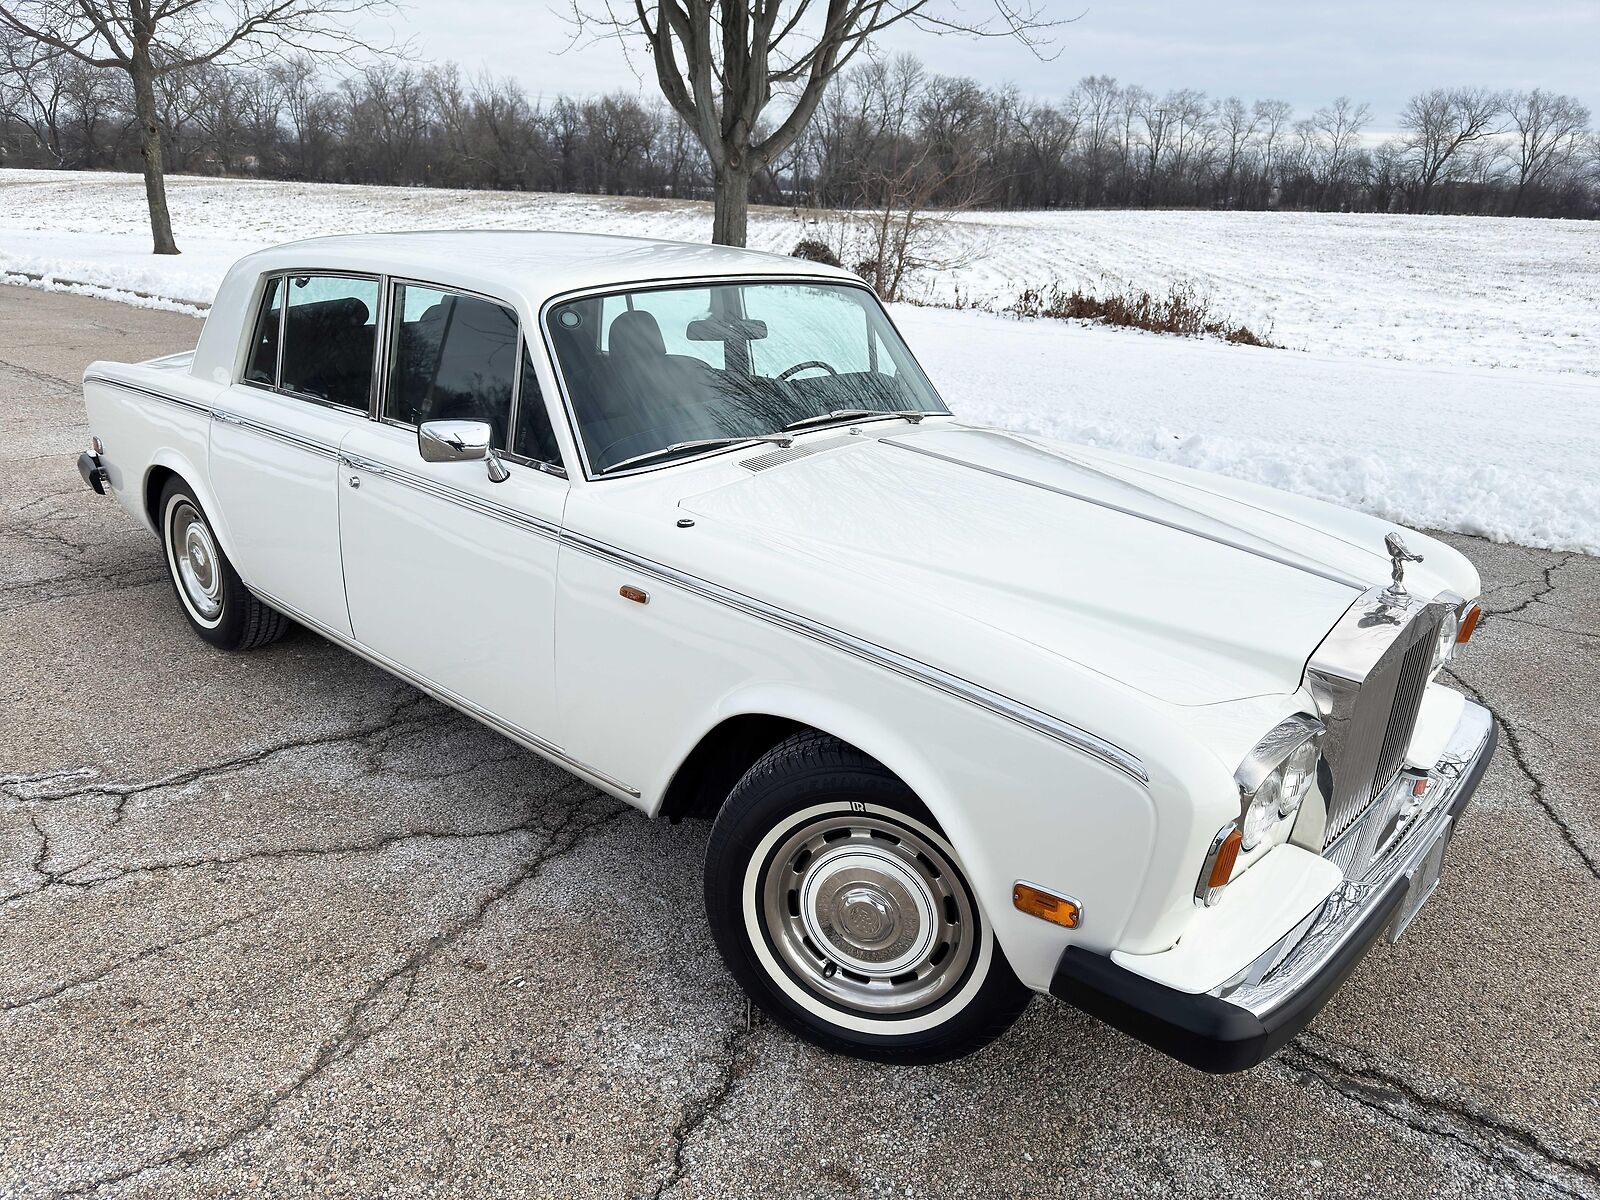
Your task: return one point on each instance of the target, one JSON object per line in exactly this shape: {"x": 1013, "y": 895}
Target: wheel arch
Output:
{"x": 755, "y": 720}
{"x": 166, "y": 465}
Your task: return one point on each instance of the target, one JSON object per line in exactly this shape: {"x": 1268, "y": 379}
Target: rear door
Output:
{"x": 305, "y": 383}
{"x": 449, "y": 575}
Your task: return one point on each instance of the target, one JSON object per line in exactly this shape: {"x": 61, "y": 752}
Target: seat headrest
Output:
{"x": 635, "y": 334}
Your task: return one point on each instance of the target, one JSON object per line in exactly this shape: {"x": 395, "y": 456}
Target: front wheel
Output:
{"x": 843, "y": 911}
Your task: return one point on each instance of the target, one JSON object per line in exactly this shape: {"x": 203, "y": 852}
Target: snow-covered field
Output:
{"x": 1442, "y": 372}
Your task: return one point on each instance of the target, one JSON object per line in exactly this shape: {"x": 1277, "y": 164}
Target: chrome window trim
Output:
{"x": 392, "y": 330}
{"x": 516, "y": 733}
{"x": 685, "y": 282}
{"x": 277, "y": 388}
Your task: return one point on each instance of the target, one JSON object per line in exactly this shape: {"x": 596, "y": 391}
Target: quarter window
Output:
{"x": 263, "y": 365}
{"x": 454, "y": 358}
{"x": 329, "y": 338}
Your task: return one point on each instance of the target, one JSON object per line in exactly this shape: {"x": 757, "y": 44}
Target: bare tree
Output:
{"x": 33, "y": 93}
{"x": 1550, "y": 131}
{"x": 1338, "y": 134}
{"x": 146, "y": 39}
{"x": 722, "y": 63}
{"x": 1437, "y": 125}
{"x": 1238, "y": 126}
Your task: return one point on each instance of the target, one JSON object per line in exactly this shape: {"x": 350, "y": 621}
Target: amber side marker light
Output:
{"x": 1468, "y": 624}
{"x": 1047, "y": 906}
{"x": 1227, "y": 855}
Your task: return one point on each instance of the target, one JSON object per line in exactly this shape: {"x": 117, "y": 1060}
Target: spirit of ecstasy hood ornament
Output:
{"x": 1399, "y": 556}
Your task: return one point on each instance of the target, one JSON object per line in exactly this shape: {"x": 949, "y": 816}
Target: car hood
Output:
{"x": 1191, "y": 588}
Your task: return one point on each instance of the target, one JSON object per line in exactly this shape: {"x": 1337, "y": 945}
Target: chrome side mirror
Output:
{"x": 460, "y": 441}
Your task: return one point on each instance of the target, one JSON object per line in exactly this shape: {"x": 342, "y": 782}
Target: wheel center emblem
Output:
{"x": 865, "y": 914}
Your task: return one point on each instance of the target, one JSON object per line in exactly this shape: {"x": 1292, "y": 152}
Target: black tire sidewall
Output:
{"x": 228, "y": 632}
{"x": 764, "y": 801}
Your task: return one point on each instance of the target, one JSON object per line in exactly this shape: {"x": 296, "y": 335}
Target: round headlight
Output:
{"x": 1299, "y": 773}
{"x": 1262, "y": 813}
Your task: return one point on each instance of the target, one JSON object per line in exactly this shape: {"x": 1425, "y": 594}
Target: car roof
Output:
{"x": 527, "y": 264}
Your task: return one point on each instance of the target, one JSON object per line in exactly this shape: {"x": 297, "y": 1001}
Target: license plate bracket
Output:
{"x": 1422, "y": 879}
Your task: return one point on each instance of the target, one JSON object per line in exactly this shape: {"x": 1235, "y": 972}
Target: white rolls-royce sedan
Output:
{"x": 975, "y": 714}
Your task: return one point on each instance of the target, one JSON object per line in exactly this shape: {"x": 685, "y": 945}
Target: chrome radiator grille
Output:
{"x": 1369, "y": 684}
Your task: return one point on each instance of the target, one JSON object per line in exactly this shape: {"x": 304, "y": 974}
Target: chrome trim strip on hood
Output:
{"x": 1259, "y": 551}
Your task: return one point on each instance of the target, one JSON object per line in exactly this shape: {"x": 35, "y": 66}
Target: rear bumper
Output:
{"x": 1241, "y": 1025}
{"x": 94, "y": 474}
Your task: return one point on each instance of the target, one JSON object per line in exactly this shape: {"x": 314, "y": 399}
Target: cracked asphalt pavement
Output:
{"x": 276, "y": 924}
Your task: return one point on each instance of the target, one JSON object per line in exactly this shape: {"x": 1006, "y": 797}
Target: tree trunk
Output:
{"x": 155, "y": 180}
{"x": 731, "y": 217}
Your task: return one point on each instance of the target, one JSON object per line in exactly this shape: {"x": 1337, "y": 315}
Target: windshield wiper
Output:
{"x": 856, "y": 414}
{"x": 776, "y": 439}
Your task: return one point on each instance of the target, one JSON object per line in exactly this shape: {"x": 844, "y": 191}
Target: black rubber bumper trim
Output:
{"x": 1207, "y": 1032}
{"x": 93, "y": 473}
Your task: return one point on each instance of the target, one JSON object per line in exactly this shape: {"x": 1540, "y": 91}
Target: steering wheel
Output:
{"x": 783, "y": 376}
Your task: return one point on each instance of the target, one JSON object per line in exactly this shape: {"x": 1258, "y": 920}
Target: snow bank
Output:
{"x": 1447, "y": 373}
{"x": 1508, "y": 455}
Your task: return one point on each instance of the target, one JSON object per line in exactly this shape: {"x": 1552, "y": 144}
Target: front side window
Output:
{"x": 650, "y": 369}
{"x": 454, "y": 357}
{"x": 329, "y": 338}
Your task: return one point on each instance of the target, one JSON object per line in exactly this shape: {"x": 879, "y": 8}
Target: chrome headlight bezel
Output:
{"x": 1276, "y": 776}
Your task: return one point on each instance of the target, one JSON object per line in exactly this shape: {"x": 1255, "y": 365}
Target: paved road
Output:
{"x": 277, "y": 924}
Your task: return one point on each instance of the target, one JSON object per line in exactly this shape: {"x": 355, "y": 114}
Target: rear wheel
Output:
{"x": 840, "y": 907}
{"x": 214, "y": 599}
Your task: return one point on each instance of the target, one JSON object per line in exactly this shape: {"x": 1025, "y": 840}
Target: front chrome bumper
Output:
{"x": 1251, "y": 1016}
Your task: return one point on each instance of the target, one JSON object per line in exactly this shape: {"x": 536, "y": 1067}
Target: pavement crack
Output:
{"x": 1503, "y": 1145}
{"x": 1577, "y": 633}
{"x": 1543, "y": 585}
{"x": 68, "y": 985}
{"x": 1514, "y": 743}
{"x": 379, "y": 1006}
{"x": 737, "y": 1050}
{"x": 289, "y": 852}
{"x": 54, "y": 381}
{"x": 403, "y": 718}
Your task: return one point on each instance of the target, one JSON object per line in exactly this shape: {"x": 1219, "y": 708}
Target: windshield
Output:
{"x": 693, "y": 368}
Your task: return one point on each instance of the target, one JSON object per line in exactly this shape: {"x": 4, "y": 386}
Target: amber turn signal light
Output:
{"x": 1468, "y": 624}
{"x": 1227, "y": 855}
{"x": 1047, "y": 906}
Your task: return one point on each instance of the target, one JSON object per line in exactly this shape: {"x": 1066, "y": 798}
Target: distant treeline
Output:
{"x": 1102, "y": 145}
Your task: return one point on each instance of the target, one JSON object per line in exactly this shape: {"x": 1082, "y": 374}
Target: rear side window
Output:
{"x": 454, "y": 358}
{"x": 262, "y": 366}
{"x": 329, "y": 338}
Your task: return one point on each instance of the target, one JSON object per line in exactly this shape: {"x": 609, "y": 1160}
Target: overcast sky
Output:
{"x": 1379, "y": 51}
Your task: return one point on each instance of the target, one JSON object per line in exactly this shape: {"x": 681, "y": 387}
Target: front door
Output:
{"x": 450, "y": 576}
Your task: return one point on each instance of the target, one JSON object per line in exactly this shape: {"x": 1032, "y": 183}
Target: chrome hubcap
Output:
{"x": 868, "y": 913}
{"x": 194, "y": 554}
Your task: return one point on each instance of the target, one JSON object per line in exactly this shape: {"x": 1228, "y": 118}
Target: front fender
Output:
{"x": 1013, "y": 804}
